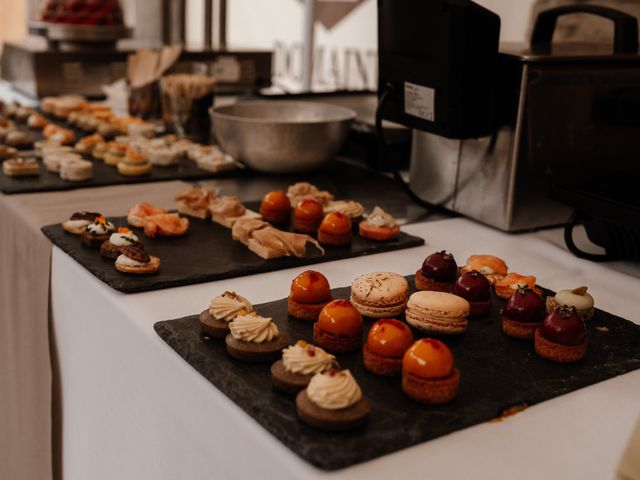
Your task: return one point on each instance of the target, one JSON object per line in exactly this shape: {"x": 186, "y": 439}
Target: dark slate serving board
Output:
{"x": 206, "y": 253}
{"x": 103, "y": 174}
{"x": 497, "y": 372}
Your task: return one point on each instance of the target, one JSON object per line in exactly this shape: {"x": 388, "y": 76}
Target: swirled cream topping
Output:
{"x": 253, "y": 328}
{"x": 123, "y": 237}
{"x": 380, "y": 218}
{"x": 348, "y": 207}
{"x": 578, "y": 298}
{"x": 306, "y": 359}
{"x": 100, "y": 226}
{"x": 334, "y": 390}
{"x": 228, "y": 306}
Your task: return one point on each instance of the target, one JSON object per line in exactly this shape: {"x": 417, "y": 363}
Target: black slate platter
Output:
{"x": 206, "y": 253}
{"x": 497, "y": 372}
{"x": 103, "y": 174}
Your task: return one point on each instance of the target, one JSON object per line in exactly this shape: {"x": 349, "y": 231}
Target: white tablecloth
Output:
{"x": 132, "y": 408}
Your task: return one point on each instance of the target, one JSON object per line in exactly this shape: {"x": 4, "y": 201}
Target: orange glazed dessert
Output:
{"x": 307, "y": 216}
{"x": 339, "y": 327}
{"x": 310, "y": 292}
{"x": 335, "y": 229}
{"x": 275, "y": 207}
{"x": 387, "y": 342}
{"x": 428, "y": 374}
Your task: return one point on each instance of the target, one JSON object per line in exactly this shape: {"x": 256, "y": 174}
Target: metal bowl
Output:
{"x": 281, "y": 136}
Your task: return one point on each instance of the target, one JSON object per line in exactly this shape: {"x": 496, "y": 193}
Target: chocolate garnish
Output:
{"x": 136, "y": 254}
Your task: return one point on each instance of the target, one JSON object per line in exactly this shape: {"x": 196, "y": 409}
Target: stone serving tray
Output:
{"x": 204, "y": 254}
{"x": 497, "y": 373}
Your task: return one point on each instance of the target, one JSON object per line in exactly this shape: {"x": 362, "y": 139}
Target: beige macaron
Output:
{"x": 437, "y": 312}
{"x": 380, "y": 294}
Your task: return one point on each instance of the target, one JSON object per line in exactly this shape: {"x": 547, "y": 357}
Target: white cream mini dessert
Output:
{"x": 299, "y": 363}
{"x": 379, "y": 226}
{"x": 133, "y": 259}
{"x": 352, "y": 209}
{"x": 117, "y": 241}
{"x": 254, "y": 338}
{"x": 214, "y": 321}
{"x": 79, "y": 221}
{"x": 97, "y": 232}
{"x": 333, "y": 400}
{"x": 577, "y": 298}
{"x": 76, "y": 170}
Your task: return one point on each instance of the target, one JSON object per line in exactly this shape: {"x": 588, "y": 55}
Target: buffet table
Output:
{"x": 132, "y": 408}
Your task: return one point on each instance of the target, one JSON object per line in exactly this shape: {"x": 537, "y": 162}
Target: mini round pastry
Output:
{"x": 97, "y": 232}
{"x": 438, "y": 273}
{"x": 310, "y": 292}
{"x": 275, "y": 207}
{"x": 506, "y": 286}
{"x": 100, "y": 150}
{"x": 386, "y": 344}
{"x": 214, "y": 321}
{"x": 23, "y": 113}
{"x": 114, "y": 154}
{"x": 475, "y": 289}
{"x": 307, "y": 216}
{"x": 335, "y": 229}
{"x": 163, "y": 155}
{"x": 380, "y": 294}
{"x": 562, "y": 337}
{"x": 134, "y": 164}
{"x": 87, "y": 144}
{"x": 124, "y": 237}
{"x": 37, "y": 121}
{"x": 428, "y": 373}
{"x": 577, "y": 298}
{"x": 135, "y": 260}
{"x": 21, "y": 167}
{"x": 352, "y": 209}
{"x": 490, "y": 266}
{"x": 76, "y": 170}
{"x": 8, "y": 152}
{"x": 254, "y": 339}
{"x": 522, "y": 314}
{"x": 79, "y": 221}
{"x": 18, "y": 139}
{"x": 333, "y": 401}
{"x": 300, "y": 362}
{"x": 437, "y": 312}
{"x": 339, "y": 327}
{"x": 379, "y": 226}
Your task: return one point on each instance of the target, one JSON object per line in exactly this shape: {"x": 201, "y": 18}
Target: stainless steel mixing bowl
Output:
{"x": 281, "y": 136}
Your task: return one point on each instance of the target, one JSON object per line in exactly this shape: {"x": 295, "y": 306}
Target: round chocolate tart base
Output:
{"x": 553, "y": 305}
{"x": 93, "y": 241}
{"x": 424, "y": 283}
{"x": 343, "y": 419}
{"x": 522, "y": 330}
{"x": 479, "y": 309}
{"x": 433, "y": 391}
{"x": 305, "y": 311}
{"x": 558, "y": 352}
{"x": 380, "y": 365}
{"x": 334, "y": 240}
{"x": 334, "y": 343}
{"x": 276, "y": 216}
{"x": 286, "y": 381}
{"x": 212, "y": 327}
{"x": 256, "y": 352}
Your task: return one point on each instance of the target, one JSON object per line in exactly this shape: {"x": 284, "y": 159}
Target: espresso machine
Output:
{"x": 503, "y": 131}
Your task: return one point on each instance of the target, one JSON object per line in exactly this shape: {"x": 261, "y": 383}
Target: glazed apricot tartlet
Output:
{"x": 307, "y": 216}
{"x": 335, "y": 229}
{"x": 428, "y": 373}
{"x": 310, "y": 292}
{"x": 275, "y": 207}
{"x": 339, "y": 327}
{"x": 387, "y": 342}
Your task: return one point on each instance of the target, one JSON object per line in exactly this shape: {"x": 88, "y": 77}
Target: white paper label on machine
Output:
{"x": 419, "y": 101}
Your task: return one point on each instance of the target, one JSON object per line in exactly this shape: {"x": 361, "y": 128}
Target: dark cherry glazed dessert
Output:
{"x": 475, "y": 289}
{"x": 439, "y": 271}
{"x": 562, "y": 337}
{"x": 523, "y": 314}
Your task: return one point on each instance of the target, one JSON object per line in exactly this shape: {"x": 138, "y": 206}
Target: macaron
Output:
{"x": 437, "y": 312}
{"x": 380, "y": 294}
